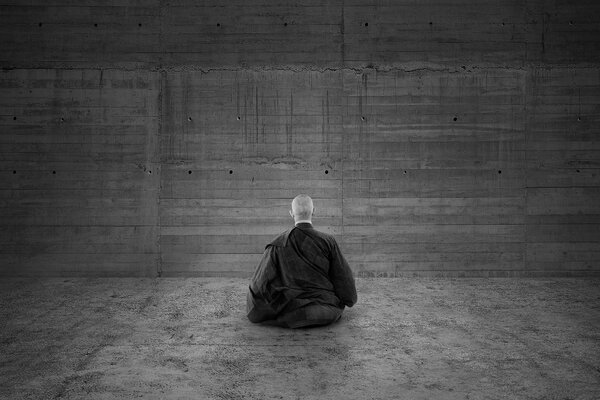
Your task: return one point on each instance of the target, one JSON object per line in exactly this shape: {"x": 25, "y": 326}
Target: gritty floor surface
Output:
{"x": 405, "y": 339}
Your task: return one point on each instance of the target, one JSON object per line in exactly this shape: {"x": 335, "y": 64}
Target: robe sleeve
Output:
{"x": 258, "y": 300}
{"x": 341, "y": 277}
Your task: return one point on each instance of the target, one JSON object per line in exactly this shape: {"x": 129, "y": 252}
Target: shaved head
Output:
{"x": 302, "y": 207}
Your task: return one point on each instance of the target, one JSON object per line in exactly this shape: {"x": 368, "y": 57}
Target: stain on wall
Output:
{"x": 168, "y": 138}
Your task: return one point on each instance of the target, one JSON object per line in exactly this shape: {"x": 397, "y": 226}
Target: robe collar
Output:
{"x": 281, "y": 240}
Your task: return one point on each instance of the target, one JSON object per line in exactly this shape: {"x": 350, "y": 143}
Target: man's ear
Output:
{"x": 291, "y": 213}
{"x": 313, "y": 212}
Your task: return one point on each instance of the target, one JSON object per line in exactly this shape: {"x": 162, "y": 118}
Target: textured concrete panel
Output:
{"x": 214, "y": 34}
{"x": 79, "y": 192}
{"x": 236, "y": 147}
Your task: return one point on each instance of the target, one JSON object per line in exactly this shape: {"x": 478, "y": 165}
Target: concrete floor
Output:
{"x": 405, "y": 339}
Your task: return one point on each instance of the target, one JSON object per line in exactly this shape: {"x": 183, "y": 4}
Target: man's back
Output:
{"x": 302, "y": 279}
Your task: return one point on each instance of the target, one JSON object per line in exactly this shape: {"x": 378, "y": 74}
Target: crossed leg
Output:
{"x": 310, "y": 315}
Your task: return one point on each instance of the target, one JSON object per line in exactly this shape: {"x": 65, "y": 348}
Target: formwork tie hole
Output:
{"x": 326, "y": 172}
{"x": 455, "y": 119}
{"x": 366, "y": 24}
{"x": 230, "y": 171}
{"x": 189, "y": 172}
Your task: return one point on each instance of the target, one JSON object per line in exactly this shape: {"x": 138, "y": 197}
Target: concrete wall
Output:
{"x": 455, "y": 138}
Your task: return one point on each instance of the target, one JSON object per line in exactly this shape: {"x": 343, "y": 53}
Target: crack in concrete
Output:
{"x": 406, "y": 68}
{"x": 356, "y": 70}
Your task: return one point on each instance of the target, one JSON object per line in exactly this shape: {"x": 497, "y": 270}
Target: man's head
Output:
{"x": 302, "y": 208}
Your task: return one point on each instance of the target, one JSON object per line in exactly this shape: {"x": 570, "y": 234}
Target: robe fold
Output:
{"x": 302, "y": 279}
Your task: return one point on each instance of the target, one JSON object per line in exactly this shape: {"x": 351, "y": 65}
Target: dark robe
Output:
{"x": 302, "y": 280}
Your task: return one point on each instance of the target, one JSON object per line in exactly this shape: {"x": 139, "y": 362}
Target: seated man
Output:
{"x": 303, "y": 279}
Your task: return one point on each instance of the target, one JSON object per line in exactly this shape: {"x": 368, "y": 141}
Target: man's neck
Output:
{"x": 303, "y": 221}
